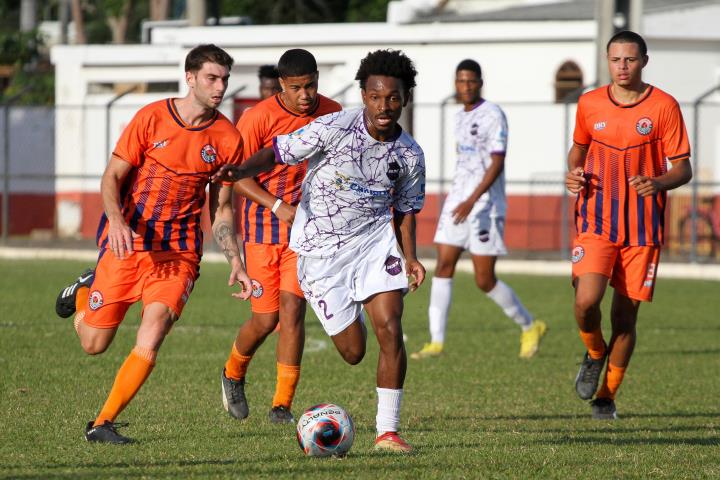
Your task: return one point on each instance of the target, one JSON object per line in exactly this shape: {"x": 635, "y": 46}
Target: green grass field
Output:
{"x": 476, "y": 412}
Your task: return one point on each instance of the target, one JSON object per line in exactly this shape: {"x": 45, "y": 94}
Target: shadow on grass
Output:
{"x": 705, "y": 351}
{"x": 698, "y": 441}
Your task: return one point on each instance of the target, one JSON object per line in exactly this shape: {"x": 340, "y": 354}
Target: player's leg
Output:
{"x": 440, "y": 297}
{"x": 385, "y": 310}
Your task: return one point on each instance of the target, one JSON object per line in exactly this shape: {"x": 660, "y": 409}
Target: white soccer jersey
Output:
{"x": 351, "y": 182}
{"x": 479, "y": 133}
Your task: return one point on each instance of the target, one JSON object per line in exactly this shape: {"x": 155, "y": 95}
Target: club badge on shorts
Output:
{"x": 95, "y": 300}
{"x": 644, "y": 126}
{"x": 577, "y": 254}
{"x": 393, "y": 265}
{"x": 650, "y": 276}
{"x": 257, "y": 289}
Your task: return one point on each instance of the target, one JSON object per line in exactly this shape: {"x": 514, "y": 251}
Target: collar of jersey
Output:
{"x": 178, "y": 119}
{"x": 629, "y": 105}
{"x": 282, "y": 105}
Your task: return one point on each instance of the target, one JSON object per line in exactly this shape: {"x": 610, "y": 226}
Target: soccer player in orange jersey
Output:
{"x": 625, "y": 133}
{"x": 149, "y": 237}
{"x": 267, "y": 213}
{"x": 269, "y": 81}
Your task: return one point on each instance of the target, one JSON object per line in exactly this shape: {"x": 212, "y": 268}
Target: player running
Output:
{"x": 149, "y": 237}
{"x": 625, "y": 133}
{"x": 473, "y": 215}
{"x": 363, "y": 171}
{"x": 267, "y": 215}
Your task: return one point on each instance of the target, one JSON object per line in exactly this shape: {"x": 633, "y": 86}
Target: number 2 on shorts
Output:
{"x": 323, "y": 304}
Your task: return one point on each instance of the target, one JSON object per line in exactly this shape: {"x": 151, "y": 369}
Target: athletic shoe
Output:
{"x": 65, "y": 303}
{"x": 233, "y": 397}
{"x": 391, "y": 442}
{"x": 530, "y": 339}
{"x": 106, "y": 433}
{"x": 281, "y": 415}
{"x": 586, "y": 382}
{"x": 603, "y": 409}
{"x": 432, "y": 349}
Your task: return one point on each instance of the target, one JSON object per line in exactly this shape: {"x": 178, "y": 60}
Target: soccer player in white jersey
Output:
{"x": 363, "y": 172}
{"x": 473, "y": 215}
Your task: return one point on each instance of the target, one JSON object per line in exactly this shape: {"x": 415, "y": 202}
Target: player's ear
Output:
{"x": 646, "y": 59}
{"x": 189, "y": 79}
{"x": 481, "y": 82}
{"x": 282, "y": 83}
{"x": 407, "y": 96}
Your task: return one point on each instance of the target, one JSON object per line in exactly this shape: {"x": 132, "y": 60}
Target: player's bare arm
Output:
{"x": 461, "y": 212}
{"x": 678, "y": 175}
{"x": 250, "y": 189}
{"x": 261, "y": 161}
{"x": 405, "y": 233}
{"x": 120, "y": 236}
{"x": 223, "y": 228}
{"x": 575, "y": 177}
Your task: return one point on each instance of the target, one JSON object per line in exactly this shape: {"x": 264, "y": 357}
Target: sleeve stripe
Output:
{"x": 678, "y": 157}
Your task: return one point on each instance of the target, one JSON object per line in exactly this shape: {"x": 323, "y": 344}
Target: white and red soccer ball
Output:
{"x": 325, "y": 430}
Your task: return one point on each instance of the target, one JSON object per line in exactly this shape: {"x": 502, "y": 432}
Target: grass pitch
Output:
{"x": 476, "y": 412}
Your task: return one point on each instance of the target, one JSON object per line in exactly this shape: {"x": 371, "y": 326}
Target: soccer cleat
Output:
{"x": 106, "y": 433}
{"x": 603, "y": 409}
{"x": 65, "y": 303}
{"x": 432, "y": 349}
{"x": 233, "y": 398}
{"x": 530, "y": 339}
{"x": 586, "y": 382}
{"x": 391, "y": 442}
{"x": 281, "y": 415}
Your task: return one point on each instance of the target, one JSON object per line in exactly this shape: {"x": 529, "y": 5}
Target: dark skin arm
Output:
{"x": 249, "y": 188}
{"x": 496, "y": 167}
{"x": 259, "y": 162}
{"x": 405, "y": 233}
{"x": 678, "y": 175}
{"x": 574, "y": 178}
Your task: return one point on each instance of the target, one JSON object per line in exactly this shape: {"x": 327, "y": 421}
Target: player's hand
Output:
{"x": 239, "y": 276}
{"x": 461, "y": 212}
{"x": 415, "y": 273}
{"x": 644, "y": 186}
{"x": 120, "y": 238}
{"x": 227, "y": 173}
{"x": 286, "y": 213}
{"x": 575, "y": 180}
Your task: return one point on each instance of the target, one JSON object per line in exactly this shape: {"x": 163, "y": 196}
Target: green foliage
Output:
{"x": 476, "y": 412}
{"x": 16, "y": 46}
{"x": 367, "y": 11}
{"x": 35, "y": 87}
{"x": 307, "y": 11}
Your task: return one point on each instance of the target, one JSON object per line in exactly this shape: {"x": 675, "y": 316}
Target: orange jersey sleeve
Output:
{"x": 675, "y": 144}
{"x": 581, "y": 135}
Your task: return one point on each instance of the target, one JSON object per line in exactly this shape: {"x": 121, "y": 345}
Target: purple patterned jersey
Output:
{"x": 351, "y": 182}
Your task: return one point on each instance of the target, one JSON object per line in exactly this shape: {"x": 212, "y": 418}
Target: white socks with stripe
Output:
{"x": 388, "y": 411}
{"x": 506, "y": 299}
{"x": 440, "y": 296}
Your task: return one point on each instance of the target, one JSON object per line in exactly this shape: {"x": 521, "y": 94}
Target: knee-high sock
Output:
{"x": 613, "y": 378}
{"x": 129, "y": 379}
{"x": 388, "y": 412}
{"x": 505, "y": 298}
{"x": 288, "y": 377}
{"x": 594, "y": 342}
{"x": 237, "y": 364}
{"x": 440, "y": 296}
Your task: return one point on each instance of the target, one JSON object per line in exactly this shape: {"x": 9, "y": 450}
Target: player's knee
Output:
{"x": 353, "y": 354}
{"x": 444, "y": 269}
{"x": 485, "y": 282}
{"x": 585, "y": 304}
{"x": 93, "y": 346}
{"x": 389, "y": 333}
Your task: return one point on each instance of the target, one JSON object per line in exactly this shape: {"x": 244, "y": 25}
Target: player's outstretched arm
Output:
{"x": 223, "y": 228}
{"x": 249, "y": 188}
{"x": 678, "y": 175}
{"x": 405, "y": 233}
{"x": 261, "y": 161}
{"x": 120, "y": 236}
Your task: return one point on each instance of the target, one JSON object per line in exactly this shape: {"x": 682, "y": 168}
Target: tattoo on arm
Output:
{"x": 225, "y": 238}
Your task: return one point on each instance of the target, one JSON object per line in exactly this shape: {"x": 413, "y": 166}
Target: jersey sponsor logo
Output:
{"x": 393, "y": 265}
{"x": 484, "y": 235}
{"x": 466, "y": 148}
{"x": 208, "y": 153}
{"x": 600, "y": 126}
{"x": 257, "y": 289}
{"x": 650, "y": 276}
{"x": 577, "y": 254}
{"x": 296, "y": 133}
{"x": 95, "y": 300}
{"x": 161, "y": 143}
{"x": 393, "y": 172}
{"x": 644, "y": 126}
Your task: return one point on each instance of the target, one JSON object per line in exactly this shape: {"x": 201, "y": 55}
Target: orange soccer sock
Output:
{"x": 288, "y": 377}
{"x": 613, "y": 378}
{"x": 237, "y": 364}
{"x": 81, "y": 299}
{"x": 594, "y": 343}
{"x": 129, "y": 379}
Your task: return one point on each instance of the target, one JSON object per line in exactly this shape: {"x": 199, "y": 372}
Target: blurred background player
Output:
{"x": 269, "y": 81}
{"x": 473, "y": 215}
{"x": 267, "y": 213}
{"x": 149, "y": 237}
{"x": 363, "y": 171}
{"x": 625, "y": 133}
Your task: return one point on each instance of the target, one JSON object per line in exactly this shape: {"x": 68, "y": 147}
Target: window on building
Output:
{"x": 568, "y": 82}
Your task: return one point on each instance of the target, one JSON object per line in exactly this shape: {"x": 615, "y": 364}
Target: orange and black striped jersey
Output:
{"x": 162, "y": 197}
{"x": 624, "y": 140}
{"x": 258, "y": 126}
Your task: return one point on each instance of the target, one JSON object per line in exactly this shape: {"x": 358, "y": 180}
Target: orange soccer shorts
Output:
{"x": 272, "y": 267}
{"x": 631, "y": 270}
{"x": 164, "y": 277}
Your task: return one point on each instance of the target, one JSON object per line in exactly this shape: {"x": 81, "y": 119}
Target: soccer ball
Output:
{"x": 325, "y": 430}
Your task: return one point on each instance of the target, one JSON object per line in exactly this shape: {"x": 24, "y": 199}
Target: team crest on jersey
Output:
{"x": 644, "y": 126}
{"x": 393, "y": 171}
{"x": 208, "y": 153}
{"x": 577, "y": 254}
{"x": 257, "y": 289}
{"x": 95, "y": 300}
{"x": 393, "y": 265}
{"x": 600, "y": 126}
{"x": 473, "y": 129}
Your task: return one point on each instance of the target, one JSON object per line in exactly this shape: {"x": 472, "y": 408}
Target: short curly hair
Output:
{"x": 388, "y": 63}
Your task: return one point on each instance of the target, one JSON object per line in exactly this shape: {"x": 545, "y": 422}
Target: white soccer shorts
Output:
{"x": 480, "y": 234}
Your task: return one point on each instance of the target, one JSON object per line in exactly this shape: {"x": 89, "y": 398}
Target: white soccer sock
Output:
{"x": 506, "y": 299}
{"x": 388, "y": 411}
{"x": 440, "y": 296}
